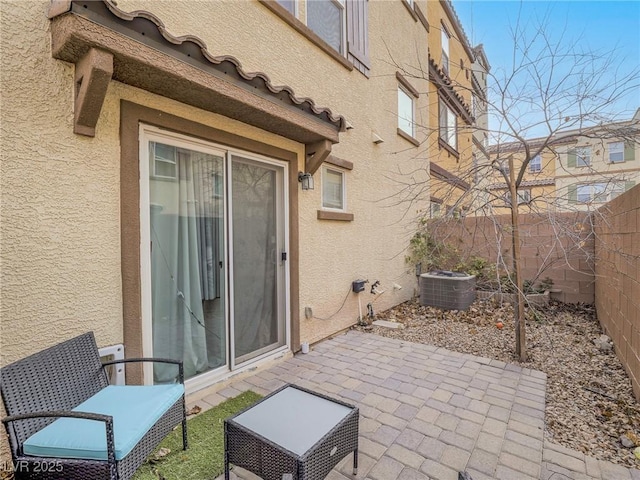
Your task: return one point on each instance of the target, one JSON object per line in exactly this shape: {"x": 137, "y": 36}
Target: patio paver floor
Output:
{"x": 427, "y": 412}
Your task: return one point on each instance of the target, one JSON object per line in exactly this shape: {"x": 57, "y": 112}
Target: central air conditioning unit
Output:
{"x": 447, "y": 290}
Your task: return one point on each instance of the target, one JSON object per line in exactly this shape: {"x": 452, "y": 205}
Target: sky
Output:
{"x": 597, "y": 25}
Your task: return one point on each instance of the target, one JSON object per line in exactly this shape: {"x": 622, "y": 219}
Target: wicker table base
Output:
{"x": 292, "y": 433}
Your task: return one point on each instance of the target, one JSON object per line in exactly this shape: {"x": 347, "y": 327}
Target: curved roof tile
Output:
{"x": 185, "y": 43}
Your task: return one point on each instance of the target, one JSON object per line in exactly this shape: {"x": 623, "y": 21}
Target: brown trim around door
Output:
{"x": 131, "y": 116}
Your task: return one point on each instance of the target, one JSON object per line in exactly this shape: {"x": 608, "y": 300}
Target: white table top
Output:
{"x": 293, "y": 419}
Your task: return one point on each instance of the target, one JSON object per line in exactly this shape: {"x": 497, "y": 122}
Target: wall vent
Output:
{"x": 114, "y": 372}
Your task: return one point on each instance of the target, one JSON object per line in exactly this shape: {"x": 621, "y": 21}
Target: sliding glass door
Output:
{"x": 213, "y": 254}
{"x": 257, "y": 258}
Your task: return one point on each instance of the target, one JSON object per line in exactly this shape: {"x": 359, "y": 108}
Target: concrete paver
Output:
{"x": 427, "y": 413}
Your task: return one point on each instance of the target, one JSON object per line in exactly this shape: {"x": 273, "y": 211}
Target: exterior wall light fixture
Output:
{"x": 306, "y": 179}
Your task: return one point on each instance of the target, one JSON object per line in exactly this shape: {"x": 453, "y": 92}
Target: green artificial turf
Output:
{"x": 204, "y": 459}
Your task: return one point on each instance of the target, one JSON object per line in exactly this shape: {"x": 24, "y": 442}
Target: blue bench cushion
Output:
{"x": 135, "y": 409}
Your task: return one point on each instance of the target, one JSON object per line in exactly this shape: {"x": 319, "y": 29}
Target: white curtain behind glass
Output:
{"x": 186, "y": 241}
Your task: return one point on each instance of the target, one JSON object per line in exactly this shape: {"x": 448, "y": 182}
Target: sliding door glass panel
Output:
{"x": 258, "y": 319}
{"x": 186, "y": 193}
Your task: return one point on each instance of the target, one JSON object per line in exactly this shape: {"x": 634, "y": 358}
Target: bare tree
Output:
{"x": 552, "y": 92}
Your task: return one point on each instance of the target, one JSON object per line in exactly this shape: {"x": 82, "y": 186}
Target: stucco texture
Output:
{"x": 59, "y": 215}
{"x": 334, "y": 253}
{"x": 60, "y": 211}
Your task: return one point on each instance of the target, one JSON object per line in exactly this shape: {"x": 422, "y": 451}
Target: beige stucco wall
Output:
{"x": 332, "y": 254}
{"x": 60, "y": 212}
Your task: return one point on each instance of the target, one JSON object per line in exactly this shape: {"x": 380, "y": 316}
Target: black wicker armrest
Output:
{"x": 157, "y": 360}
{"x": 98, "y": 417}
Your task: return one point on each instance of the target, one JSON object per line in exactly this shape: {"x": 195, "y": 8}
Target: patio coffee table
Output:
{"x": 292, "y": 433}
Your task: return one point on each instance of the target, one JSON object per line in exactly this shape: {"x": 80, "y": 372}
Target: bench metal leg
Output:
{"x": 226, "y": 453}
{"x": 184, "y": 434}
{"x": 355, "y": 462}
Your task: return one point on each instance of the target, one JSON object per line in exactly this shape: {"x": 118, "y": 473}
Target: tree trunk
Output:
{"x": 521, "y": 347}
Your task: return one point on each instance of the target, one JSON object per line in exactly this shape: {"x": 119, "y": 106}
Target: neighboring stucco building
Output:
{"x": 457, "y": 84}
{"x": 537, "y": 189}
{"x": 578, "y": 169}
{"x": 598, "y": 165}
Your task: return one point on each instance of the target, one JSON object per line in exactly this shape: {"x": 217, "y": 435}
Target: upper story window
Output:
{"x": 406, "y": 121}
{"x": 448, "y": 126}
{"x": 289, "y": 5}
{"x": 583, "y": 157}
{"x": 328, "y": 20}
{"x": 579, "y": 157}
{"x": 337, "y": 27}
{"x": 616, "y": 152}
{"x": 407, "y": 96}
{"x": 333, "y": 189}
{"x": 445, "y": 50}
{"x": 536, "y": 164}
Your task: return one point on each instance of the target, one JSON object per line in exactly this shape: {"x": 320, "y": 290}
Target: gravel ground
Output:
{"x": 590, "y": 403}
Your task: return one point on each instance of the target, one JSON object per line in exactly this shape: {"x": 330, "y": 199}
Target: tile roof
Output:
{"x": 526, "y": 183}
{"x": 187, "y": 43}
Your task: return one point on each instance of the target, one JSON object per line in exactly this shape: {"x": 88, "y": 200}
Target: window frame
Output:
{"x": 342, "y": 6}
{"x": 404, "y": 91}
{"x": 524, "y": 197}
{"x": 597, "y": 193}
{"x": 343, "y": 190}
{"x": 435, "y": 209}
{"x": 588, "y": 193}
{"x": 296, "y": 7}
{"x": 621, "y": 152}
{"x": 617, "y": 189}
{"x": 444, "y": 127}
{"x": 583, "y": 157}
{"x": 538, "y": 163}
{"x": 153, "y": 167}
{"x": 445, "y": 58}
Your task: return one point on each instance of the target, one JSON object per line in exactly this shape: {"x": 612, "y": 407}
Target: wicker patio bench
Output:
{"x": 66, "y": 422}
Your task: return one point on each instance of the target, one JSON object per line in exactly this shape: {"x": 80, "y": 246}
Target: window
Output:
{"x": 337, "y": 27}
{"x": 333, "y": 189}
{"x": 583, "y": 157}
{"x": 536, "y": 164}
{"x": 448, "y": 126}
{"x": 405, "y": 112}
{"x": 617, "y": 189}
{"x": 327, "y": 19}
{"x": 593, "y": 192}
{"x": 445, "y": 50}
{"x": 580, "y": 157}
{"x": 584, "y": 193}
{"x": 616, "y": 152}
{"x": 289, "y": 5}
{"x": 163, "y": 160}
{"x": 524, "y": 197}
{"x": 435, "y": 210}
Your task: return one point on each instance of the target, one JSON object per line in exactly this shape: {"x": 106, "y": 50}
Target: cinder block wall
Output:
{"x": 617, "y": 292}
{"x": 561, "y": 246}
